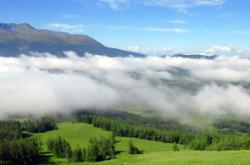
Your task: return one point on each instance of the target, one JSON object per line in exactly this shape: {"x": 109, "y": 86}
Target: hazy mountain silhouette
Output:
{"x": 16, "y": 39}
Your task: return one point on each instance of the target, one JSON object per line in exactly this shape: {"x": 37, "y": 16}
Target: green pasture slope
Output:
{"x": 155, "y": 153}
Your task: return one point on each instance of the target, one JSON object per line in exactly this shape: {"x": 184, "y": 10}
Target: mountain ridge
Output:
{"x": 16, "y": 39}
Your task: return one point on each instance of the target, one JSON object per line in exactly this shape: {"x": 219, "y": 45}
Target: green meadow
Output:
{"x": 155, "y": 153}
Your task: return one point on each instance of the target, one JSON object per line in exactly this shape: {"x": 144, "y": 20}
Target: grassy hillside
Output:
{"x": 154, "y": 152}
{"x": 77, "y": 134}
{"x": 182, "y": 158}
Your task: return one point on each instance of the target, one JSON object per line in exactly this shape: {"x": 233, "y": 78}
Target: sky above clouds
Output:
{"x": 154, "y": 26}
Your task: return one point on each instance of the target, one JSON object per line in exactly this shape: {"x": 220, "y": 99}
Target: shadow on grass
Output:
{"x": 45, "y": 159}
{"x": 118, "y": 152}
{"x": 117, "y": 141}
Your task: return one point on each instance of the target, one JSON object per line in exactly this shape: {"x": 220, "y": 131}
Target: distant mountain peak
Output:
{"x": 6, "y": 26}
{"x": 22, "y": 38}
{"x": 15, "y": 26}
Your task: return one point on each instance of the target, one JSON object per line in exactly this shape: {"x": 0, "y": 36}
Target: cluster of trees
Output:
{"x": 15, "y": 149}
{"x": 195, "y": 140}
{"x": 10, "y": 130}
{"x": 59, "y": 147}
{"x": 20, "y": 152}
{"x": 43, "y": 124}
{"x": 78, "y": 155}
{"x": 98, "y": 149}
{"x": 101, "y": 149}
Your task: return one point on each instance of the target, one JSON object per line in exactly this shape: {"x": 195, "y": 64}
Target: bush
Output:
{"x": 132, "y": 149}
{"x": 175, "y": 147}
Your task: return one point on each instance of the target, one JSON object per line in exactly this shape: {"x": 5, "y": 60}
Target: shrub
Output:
{"x": 132, "y": 149}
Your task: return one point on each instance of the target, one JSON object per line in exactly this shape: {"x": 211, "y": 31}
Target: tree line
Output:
{"x": 233, "y": 126}
{"x": 43, "y": 124}
{"x": 130, "y": 129}
{"x": 195, "y": 140}
{"x": 156, "y": 122}
{"x": 220, "y": 141}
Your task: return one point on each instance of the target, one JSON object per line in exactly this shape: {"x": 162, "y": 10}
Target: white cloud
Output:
{"x": 223, "y": 100}
{"x": 115, "y": 4}
{"x": 226, "y": 50}
{"x": 180, "y": 5}
{"x": 177, "y": 21}
{"x": 170, "y": 86}
{"x": 142, "y": 28}
{"x": 152, "y": 51}
{"x": 71, "y": 28}
{"x": 217, "y": 49}
{"x": 183, "y": 5}
{"x": 221, "y": 50}
{"x": 209, "y": 2}
{"x": 117, "y": 27}
{"x": 159, "y": 29}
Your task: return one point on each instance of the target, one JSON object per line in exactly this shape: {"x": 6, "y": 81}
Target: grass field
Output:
{"x": 155, "y": 153}
{"x": 77, "y": 134}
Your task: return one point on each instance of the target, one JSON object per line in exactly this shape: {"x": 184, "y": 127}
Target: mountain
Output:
{"x": 16, "y": 39}
{"x": 195, "y": 56}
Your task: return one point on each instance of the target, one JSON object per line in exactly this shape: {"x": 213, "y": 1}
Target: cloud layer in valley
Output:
{"x": 45, "y": 84}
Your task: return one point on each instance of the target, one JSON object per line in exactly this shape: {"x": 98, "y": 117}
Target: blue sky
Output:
{"x": 156, "y": 26}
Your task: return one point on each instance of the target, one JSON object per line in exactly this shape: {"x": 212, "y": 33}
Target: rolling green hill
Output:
{"x": 154, "y": 152}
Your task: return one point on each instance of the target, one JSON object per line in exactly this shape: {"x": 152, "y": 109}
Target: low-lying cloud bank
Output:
{"x": 172, "y": 86}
